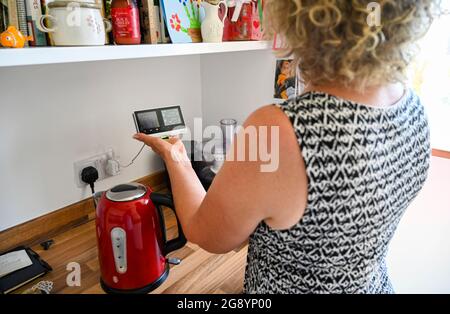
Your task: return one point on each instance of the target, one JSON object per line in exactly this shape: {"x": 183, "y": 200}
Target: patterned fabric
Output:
{"x": 364, "y": 165}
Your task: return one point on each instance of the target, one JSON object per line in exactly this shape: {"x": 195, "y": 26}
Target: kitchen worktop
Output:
{"x": 199, "y": 271}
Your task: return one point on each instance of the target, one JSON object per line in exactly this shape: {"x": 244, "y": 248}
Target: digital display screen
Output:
{"x": 171, "y": 117}
{"x": 148, "y": 120}
{"x": 159, "y": 120}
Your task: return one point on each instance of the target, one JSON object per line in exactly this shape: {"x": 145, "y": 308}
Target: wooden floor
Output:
{"x": 199, "y": 271}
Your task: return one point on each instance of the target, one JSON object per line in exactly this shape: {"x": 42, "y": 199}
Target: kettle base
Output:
{"x": 144, "y": 290}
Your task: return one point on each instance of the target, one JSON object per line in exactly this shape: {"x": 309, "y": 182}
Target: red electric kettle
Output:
{"x": 131, "y": 238}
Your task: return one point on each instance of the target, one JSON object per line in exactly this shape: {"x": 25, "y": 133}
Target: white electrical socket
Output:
{"x": 99, "y": 162}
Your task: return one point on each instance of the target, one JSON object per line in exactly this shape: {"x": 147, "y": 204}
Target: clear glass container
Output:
{"x": 228, "y": 127}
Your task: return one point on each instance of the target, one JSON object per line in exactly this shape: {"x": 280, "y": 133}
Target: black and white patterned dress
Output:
{"x": 364, "y": 165}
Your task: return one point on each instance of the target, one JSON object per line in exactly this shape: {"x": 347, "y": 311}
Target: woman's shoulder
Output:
{"x": 320, "y": 109}
{"x": 315, "y": 103}
{"x": 269, "y": 115}
{"x": 284, "y": 115}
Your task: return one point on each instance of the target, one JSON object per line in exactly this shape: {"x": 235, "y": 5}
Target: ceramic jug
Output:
{"x": 212, "y": 25}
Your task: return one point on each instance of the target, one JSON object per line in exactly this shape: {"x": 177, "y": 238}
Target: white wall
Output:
{"x": 419, "y": 254}
{"x": 235, "y": 84}
{"x": 54, "y": 115}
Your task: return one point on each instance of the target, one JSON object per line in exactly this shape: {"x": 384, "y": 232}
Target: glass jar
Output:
{"x": 228, "y": 127}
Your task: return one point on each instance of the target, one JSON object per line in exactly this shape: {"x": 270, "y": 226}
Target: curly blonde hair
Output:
{"x": 332, "y": 41}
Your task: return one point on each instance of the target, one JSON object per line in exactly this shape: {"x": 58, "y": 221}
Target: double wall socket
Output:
{"x": 99, "y": 162}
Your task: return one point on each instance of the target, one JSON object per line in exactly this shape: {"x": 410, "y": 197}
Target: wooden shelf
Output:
{"x": 53, "y": 55}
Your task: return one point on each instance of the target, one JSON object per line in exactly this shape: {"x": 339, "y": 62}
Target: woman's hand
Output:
{"x": 170, "y": 149}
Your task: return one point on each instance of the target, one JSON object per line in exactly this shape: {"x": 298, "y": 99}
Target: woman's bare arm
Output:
{"x": 241, "y": 195}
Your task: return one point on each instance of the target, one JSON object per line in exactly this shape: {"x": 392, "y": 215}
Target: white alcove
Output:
{"x": 61, "y": 105}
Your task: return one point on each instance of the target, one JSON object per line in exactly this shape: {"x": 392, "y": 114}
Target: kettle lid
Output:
{"x": 126, "y": 192}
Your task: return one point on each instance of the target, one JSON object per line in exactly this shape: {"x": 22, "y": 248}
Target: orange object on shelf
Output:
{"x": 13, "y": 38}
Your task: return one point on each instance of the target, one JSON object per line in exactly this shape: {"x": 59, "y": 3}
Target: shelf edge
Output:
{"x": 60, "y": 55}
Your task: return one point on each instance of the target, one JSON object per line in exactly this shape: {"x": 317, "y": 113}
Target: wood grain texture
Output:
{"x": 49, "y": 225}
{"x": 441, "y": 153}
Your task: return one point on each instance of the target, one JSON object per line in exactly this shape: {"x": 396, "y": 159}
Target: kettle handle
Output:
{"x": 167, "y": 201}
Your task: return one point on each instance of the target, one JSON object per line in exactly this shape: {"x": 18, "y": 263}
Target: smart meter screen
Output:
{"x": 148, "y": 120}
{"x": 171, "y": 116}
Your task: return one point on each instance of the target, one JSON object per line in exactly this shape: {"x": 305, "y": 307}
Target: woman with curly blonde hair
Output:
{"x": 353, "y": 152}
